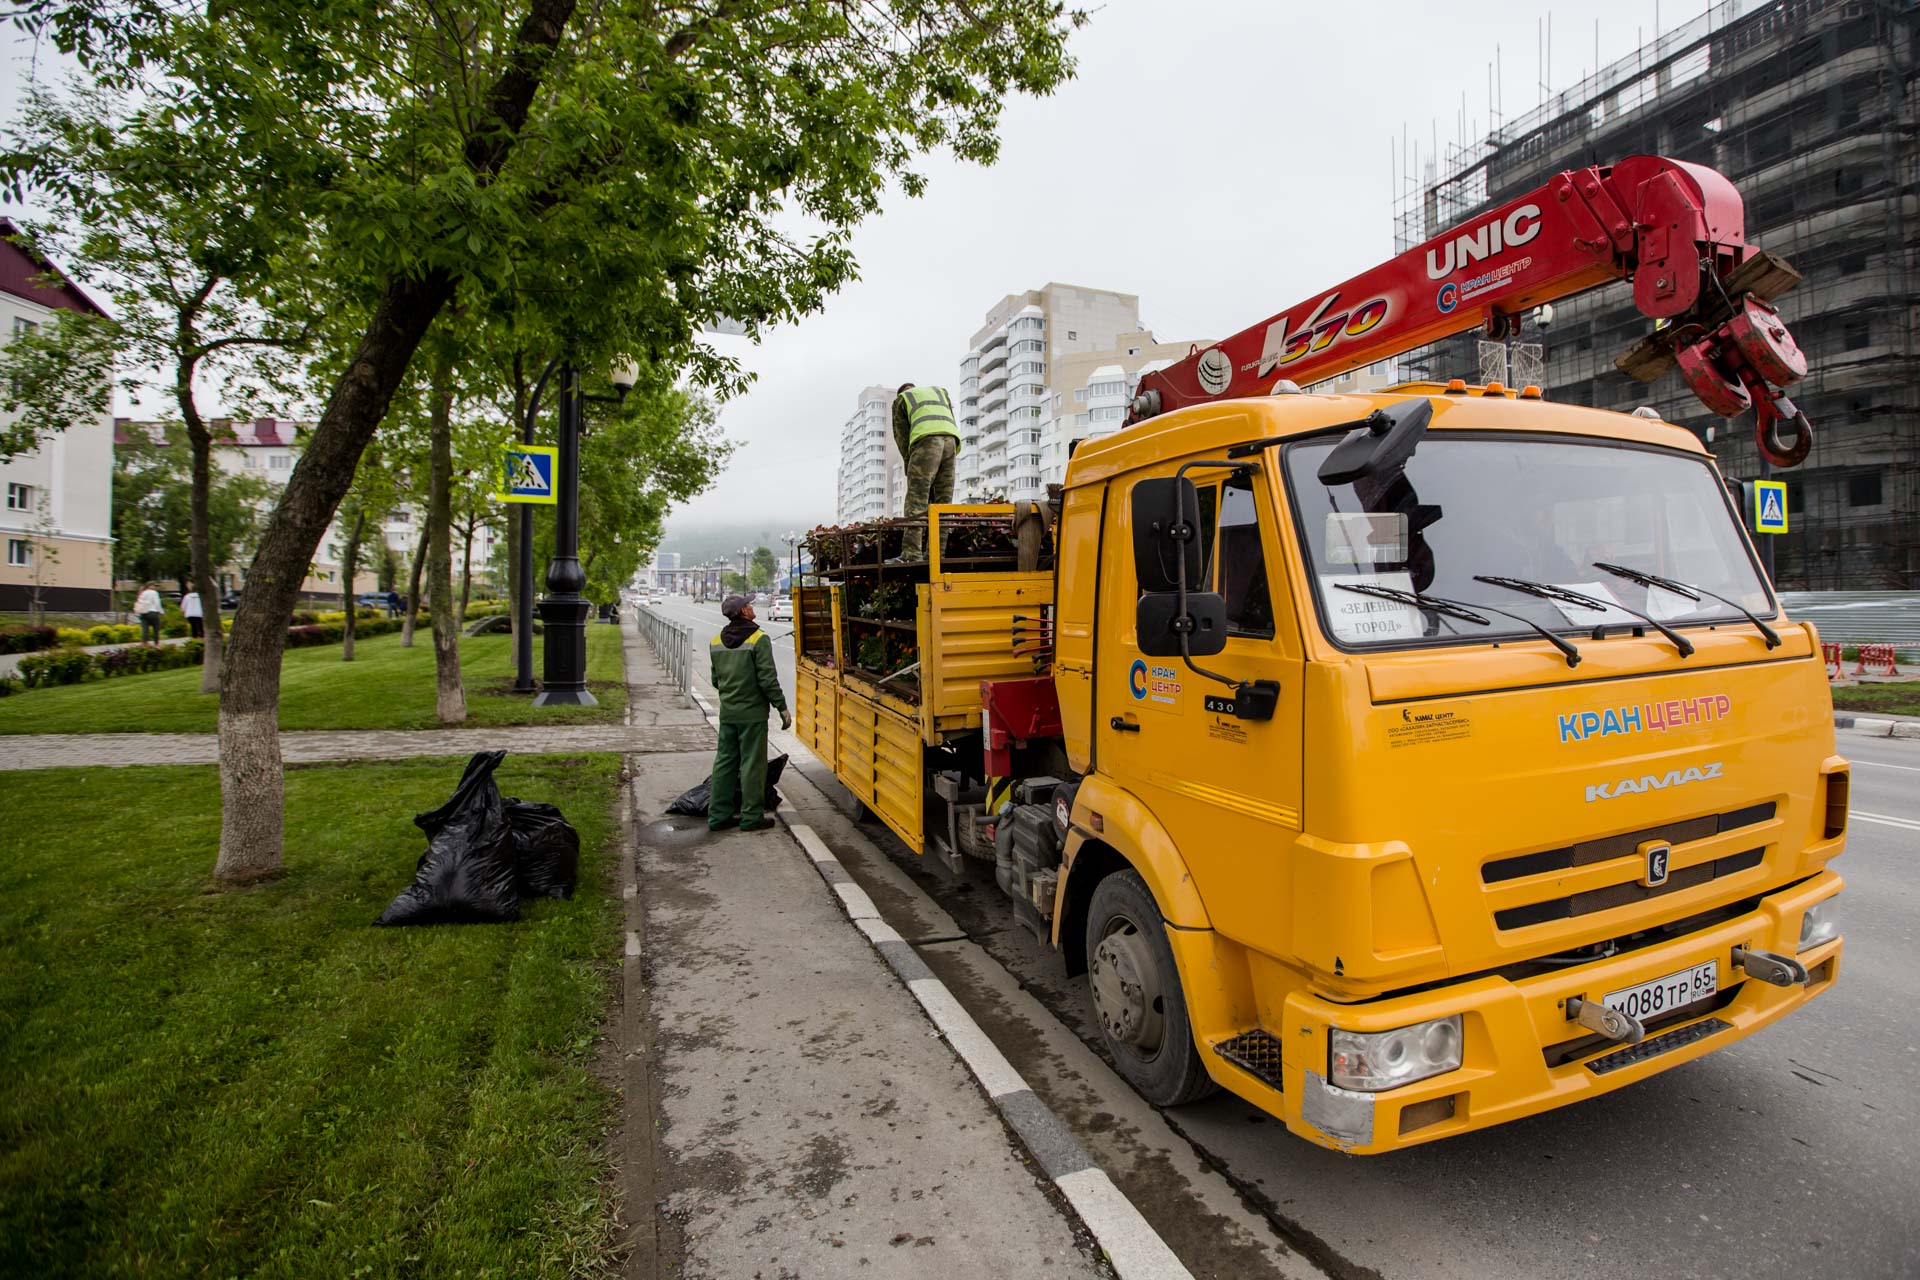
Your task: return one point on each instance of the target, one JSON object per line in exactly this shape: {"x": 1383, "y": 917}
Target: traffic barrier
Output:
{"x": 1831, "y": 652}
{"x": 673, "y": 642}
{"x": 1878, "y": 656}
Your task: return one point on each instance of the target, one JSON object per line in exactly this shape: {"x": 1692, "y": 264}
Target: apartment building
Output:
{"x": 1807, "y": 106}
{"x": 1088, "y": 393}
{"x": 873, "y": 480}
{"x": 57, "y": 519}
{"x": 1005, "y": 398}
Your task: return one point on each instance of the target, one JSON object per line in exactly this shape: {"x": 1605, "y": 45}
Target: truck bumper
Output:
{"x": 1522, "y": 1054}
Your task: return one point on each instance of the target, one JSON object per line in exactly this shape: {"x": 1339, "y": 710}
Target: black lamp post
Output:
{"x": 523, "y": 579}
{"x": 563, "y": 611}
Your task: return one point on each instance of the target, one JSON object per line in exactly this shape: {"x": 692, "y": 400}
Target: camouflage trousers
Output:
{"x": 929, "y": 483}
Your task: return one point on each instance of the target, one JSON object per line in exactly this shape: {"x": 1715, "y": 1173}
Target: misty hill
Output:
{"x": 698, "y": 545}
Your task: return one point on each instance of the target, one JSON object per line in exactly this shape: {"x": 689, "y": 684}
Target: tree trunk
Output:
{"x": 252, "y": 788}
{"x": 451, "y": 697}
{"x": 349, "y": 567}
{"x": 413, "y": 585}
{"x": 466, "y": 573}
{"x": 199, "y": 540}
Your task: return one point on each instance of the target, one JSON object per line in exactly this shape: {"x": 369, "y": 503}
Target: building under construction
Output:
{"x": 1807, "y": 106}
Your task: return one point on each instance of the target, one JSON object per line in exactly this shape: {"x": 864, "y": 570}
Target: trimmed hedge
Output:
{"x": 20, "y": 637}
{"x": 76, "y": 666}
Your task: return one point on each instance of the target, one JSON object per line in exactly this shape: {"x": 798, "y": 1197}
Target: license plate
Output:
{"x": 1664, "y": 995}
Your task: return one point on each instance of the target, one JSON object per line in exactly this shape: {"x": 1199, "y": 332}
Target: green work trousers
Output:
{"x": 739, "y": 775}
{"x": 929, "y": 484}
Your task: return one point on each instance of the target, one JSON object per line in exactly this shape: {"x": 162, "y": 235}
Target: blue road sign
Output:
{"x": 526, "y": 473}
{"x": 1769, "y": 506}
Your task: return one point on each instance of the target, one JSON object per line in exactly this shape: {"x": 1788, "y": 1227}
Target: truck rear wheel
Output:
{"x": 1134, "y": 986}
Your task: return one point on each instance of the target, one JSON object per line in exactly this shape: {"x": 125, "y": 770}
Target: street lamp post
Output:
{"x": 523, "y": 580}
{"x": 563, "y": 611}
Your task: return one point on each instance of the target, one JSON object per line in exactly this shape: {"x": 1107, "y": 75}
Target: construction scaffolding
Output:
{"x": 1805, "y": 106}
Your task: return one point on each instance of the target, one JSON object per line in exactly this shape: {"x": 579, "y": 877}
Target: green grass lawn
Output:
{"x": 384, "y": 687}
{"x": 257, "y": 1083}
{"x": 1900, "y": 698}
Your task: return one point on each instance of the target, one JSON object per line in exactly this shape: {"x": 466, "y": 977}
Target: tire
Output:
{"x": 863, "y": 814}
{"x": 1149, "y": 1039}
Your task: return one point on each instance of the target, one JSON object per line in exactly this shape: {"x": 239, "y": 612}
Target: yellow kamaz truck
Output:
{"x": 1404, "y": 763}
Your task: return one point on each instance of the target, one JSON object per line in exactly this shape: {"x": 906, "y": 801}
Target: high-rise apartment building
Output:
{"x": 872, "y": 478}
{"x": 1807, "y": 107}
{"x": 1089, "y": 392}
{"x": 1005, "y": 396}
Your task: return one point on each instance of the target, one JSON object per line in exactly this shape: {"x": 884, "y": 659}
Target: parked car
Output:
{"x": 371, "y": 600}
{"x": 782, "y": 610}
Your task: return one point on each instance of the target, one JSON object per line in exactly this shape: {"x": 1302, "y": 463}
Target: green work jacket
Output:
{"x": 745, "y": 680}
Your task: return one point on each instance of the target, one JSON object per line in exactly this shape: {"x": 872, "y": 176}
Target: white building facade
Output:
{"x": 872, "y": 480}
{"x": 56, "y": 502}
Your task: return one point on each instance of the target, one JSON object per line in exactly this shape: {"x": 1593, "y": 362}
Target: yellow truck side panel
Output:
{"x": 816, "y": 711}
{"x": 966, "y": 631}
{"x": 880, "y": 761}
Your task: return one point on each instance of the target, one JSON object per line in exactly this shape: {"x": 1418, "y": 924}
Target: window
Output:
{"x": 19, "y": 497}
{"x": 1863, "y": 490}
{"x": 1243, "y": 562}
{"x": 22, "y": 325}
{"x": 1080, "y": 395}
{"x": 1109, "y": 388}
{"x": 279, "y": 462}
{"x": 1853, "y": 264}
{"x": 20, "y": 553}
{"x": 1072, "y": 336}
{"x": 1106, "y": 415}
{"x": 1855, "y": 334}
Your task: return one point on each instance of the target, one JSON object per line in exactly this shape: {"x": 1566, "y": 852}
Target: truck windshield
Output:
{"x": 1525, "y": 507}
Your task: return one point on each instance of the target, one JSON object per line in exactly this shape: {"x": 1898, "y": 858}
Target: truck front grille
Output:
{"x": 1619, "y": 895}
{"x": 1590, "y": 851}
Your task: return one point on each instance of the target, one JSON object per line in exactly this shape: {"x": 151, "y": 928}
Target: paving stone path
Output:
{"x": 659, "y": 720}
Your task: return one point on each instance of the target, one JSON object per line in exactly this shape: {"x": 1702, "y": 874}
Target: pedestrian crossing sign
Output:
{"x": 526, "y": 471}
{"x": 1769, "y": 506}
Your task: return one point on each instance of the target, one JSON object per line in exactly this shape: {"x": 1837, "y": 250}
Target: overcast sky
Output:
{"x": 1219, "y": 158}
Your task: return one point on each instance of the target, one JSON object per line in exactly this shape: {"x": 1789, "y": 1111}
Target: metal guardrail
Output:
{"x": 673, "y": 642}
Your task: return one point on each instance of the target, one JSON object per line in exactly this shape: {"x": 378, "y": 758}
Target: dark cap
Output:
{"x": 734, "y": 606}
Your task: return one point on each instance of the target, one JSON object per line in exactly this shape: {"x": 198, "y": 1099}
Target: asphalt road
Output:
{"x": 1794, "y": 1152}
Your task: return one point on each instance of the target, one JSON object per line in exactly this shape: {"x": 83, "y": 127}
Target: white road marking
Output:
{"x": 1904, "y": 768}
{"x": 858, "y": 904}
{"x": 1886, "y": 820}
{"x": 989, "y": 1066}
{"x": 1134, "y": 1247}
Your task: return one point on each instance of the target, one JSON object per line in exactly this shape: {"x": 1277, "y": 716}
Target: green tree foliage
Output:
{"x": 54, "y": 376}
{"x": 621, "y": 174}
{"x": 153, "y": 509}
{"x": 764, "y": 569}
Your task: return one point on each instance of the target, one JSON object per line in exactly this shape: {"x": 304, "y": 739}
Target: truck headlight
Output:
{"x": 1820, "y": 923}
{"x": 1371, "y": 1061}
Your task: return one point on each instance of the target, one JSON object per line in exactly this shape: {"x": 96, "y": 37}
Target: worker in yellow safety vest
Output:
{"x": 928, "y": 436}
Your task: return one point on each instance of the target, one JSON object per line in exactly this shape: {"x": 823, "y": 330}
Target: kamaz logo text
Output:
{"x": 1484, "y": 241}
{"x": 1652, "y": 782}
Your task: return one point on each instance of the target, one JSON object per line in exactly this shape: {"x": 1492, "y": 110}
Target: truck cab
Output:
{"x": 1490, "y": 778}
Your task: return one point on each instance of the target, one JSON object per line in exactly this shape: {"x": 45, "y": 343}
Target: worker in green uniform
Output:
{"x": 929, "y": 439}
{"x": 743, "y": 676}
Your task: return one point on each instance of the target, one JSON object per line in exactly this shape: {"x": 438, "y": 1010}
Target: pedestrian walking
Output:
{"x": 146, "y": 606}
{"x": 195, "y": 616}
{"x": 741, "y": 657}
{"x": 393, "y": 603}
{"x": 929, "y": 441}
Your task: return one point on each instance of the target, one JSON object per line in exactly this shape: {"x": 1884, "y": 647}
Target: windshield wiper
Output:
{"x": 1689, "y": 591}
{"x": 1466, "y": 612}
{"x": 1561, "y": 594}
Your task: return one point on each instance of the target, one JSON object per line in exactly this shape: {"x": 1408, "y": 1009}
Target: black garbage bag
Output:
{"x": 546, "y": 850}
{"x": 466, "y": 874}
{"x": 694, "y": 800}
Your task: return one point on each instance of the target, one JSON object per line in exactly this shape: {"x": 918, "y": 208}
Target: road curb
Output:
{"x": 1877, "y": 726}
{"x": 1131, "y": 1244}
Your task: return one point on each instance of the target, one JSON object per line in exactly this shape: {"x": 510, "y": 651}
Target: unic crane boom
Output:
{"x": 1676, "y": 230}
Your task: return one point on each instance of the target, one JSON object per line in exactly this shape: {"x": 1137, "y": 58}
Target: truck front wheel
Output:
{"x": 1137, "y": 1000}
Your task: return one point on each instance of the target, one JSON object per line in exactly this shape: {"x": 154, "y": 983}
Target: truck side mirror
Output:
{"x": 1166, "y": 526}
{"x": 1159, "y": 624}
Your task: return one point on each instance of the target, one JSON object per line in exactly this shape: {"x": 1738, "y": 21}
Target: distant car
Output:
{"x": 371, "y": 599}
{"x": 782, "y": 610}
{"x": 656, "y": 598}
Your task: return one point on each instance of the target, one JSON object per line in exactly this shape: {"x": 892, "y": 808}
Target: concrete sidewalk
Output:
{"x": 790, "y": 1111}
